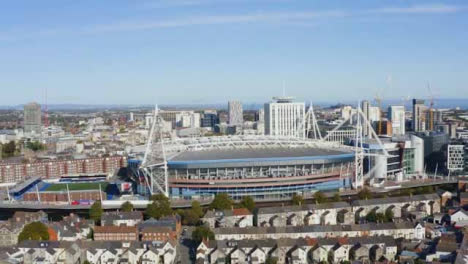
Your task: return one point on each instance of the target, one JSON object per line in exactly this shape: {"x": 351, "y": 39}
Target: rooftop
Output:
{"x": 111, "y": 216}
{"x": 290, "y": 242}
{"x": 313, "y": 228}
{"x": 401, "y": 199}
{"x": 115, "y": 229}
{"x": 304, "y": 207}
{"x": 261, "y": 153}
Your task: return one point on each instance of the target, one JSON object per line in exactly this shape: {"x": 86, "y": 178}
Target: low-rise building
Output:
{"x": 10, "y": 229}
{"x": 115, "y": 233}
{"x": 407, "y": 230}
{"x": 71, "y": 228}
{"x": 463, "y": 198}
{"x": 94, "y": 252}
{"x": 49, "y": 252}
{"x": 173, "y": 222}
{"x": 122, "y": 218}
{"x": 158, "y": 233}
{"x": 307, "y": 214}
{"x": 427, "y": 204}
{"x": 239, "y": 217}
{"x": 302, "y": 250}
{"x": 459, "y": 218}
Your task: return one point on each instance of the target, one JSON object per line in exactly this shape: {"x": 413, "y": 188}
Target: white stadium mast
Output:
{"x": 160, "y": 148}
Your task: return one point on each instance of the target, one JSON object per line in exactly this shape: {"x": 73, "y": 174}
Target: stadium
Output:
{"x": 263, "y": 167}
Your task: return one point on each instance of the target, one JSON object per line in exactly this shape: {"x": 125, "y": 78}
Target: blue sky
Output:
{"x": 210, "y": 51}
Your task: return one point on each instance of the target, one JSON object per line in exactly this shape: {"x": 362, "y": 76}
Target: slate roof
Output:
{"x": 112, "y": 216}
{"x": 314, "y": 228}
{"x": 304, "y": 207}
{"x": 392, "y": 200}
{"x": 227, "y": 213}
{"x": 290, "y": 242}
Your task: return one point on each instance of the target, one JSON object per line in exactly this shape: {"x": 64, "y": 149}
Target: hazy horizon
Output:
{"x": 203, "y": 51}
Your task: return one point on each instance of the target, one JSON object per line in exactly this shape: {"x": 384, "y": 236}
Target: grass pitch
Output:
{"x": 77, "y": 186}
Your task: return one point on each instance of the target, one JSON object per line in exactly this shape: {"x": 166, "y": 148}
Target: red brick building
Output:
{"x": 158, "y": 233}
{"x": 62, "y": 196}
{"x": 16, "y": 172}
{"x": 463, "y": 198}
{"x": 115, "y": 233}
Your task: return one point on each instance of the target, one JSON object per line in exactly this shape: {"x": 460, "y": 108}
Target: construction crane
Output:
{"x": 378, "y": 100}
{"x": 431, "y": 108}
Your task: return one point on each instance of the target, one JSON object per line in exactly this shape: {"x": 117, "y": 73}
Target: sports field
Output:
{"x": 76, "y": 186}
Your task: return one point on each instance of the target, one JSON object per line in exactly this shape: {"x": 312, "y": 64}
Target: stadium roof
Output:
{"x": 256, "y": 157}
{"x": 255, "y": 154}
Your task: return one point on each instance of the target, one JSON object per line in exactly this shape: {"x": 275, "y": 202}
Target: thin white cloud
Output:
{"x": 422, "y": 9}
{"x": 215, "y": 20}
{"x": 298, "y": 17}
{"x": 184, "y": 3}
{"x": 288, "y": 18}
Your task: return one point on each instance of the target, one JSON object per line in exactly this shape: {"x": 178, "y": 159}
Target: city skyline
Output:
{"x": 179, "y": 52}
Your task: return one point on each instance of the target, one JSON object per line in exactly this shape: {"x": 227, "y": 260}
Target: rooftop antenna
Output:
{"x": 46, "y": 114}
{"x": 284, "y": 88}
{"x": 431, "y": 107}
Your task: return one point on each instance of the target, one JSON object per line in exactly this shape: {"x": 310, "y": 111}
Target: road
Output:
{"x": 186, "y": 246}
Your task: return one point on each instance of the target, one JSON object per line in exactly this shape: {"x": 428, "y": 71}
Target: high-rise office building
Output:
{"x": 261, "y": 115}
{"x": 374, "y": 114}
{"x": 419, "y": 112}
{"x": 396, "y": 114}
{"x": 283, "y": 117}
{"x": 433, "y": 118}
{"x": 32, "y": 118}
{"x": 236, "y": 113}
{"x": 209, "y": 119}
{"x": 365, "y": 110}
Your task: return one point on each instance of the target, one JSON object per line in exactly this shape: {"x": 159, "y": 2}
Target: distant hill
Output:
{"x": 439, "y": 103}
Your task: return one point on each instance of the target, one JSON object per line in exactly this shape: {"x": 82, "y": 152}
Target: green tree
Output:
{"x": 271, "y": 260}
{"x": 420, "y": 261}
{"x": 388, "y": 215}
{"x": 9, "y": 149}
{"x": 86, "y": 262}
{"x": 127, "y": 207}
{"x": 151, "y": 211}
{"x": 35, "y": 146}
{"x": 159, "y": 207}
{"x": 90, "y": 235}
{"x": 95, "y": 212}
{"x": 191, "y": 217}
{"x": 297, "y": 199}
{"x": 371, "y": 217}
{"x": 364, "y": 194}
{"x": 34, "y": 231}
{"x": 380, "y": 217}
{"x": 202, "y": 232}
{"x": 336, "y": 197}
{"x": 419, "y": 190}
{"x": 406, "y": 192}
{"x": 221, "y": 202}
{"x": 428, "y": 189}
{"x": 248, "y": 203}
{"x": 319, "y": 197}
{"x": 197, "y": 209}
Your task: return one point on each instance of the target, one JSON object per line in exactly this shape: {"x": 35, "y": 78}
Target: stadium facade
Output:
{"x": 263, "y": 167}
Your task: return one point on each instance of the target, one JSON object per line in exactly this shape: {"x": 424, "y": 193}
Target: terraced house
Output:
{"x": 307, "y": 214}
{"x": 298, "y": 251}
{"x": 406, "y": 230}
